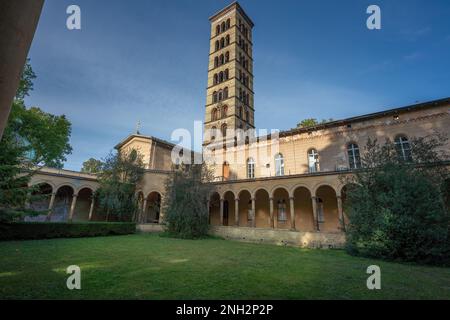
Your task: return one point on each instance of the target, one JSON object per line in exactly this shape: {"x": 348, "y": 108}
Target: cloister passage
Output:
{"x": 298, "y": 208}
{"x": 149, "y": 207}
{"x": 62, "y": 203}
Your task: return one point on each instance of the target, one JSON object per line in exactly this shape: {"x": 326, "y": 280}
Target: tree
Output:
{"x": 92, "y": 166}
{"x": 311, "y": 122}
{"x": 396, "y": 205}
{"x": 118, "y": 178}
{"x": 32, "y": 137}
{"x": 185, "y": 202}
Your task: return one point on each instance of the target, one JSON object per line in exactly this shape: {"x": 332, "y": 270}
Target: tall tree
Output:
{"x": 92, "y": 166}
{"x": 185, "y": 201}
{"x": 32, "y": 137}
{"x": 119, "y": 177}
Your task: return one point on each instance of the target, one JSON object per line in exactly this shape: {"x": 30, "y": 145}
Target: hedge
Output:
{"x": 50, "y": 230}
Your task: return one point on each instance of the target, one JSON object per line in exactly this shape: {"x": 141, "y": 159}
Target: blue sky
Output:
{"x": 147, "y": 60}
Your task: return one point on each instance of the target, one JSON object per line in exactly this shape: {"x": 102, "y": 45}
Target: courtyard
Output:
{"x": 151, "y": 266}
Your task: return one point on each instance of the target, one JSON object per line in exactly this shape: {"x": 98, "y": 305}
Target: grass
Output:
{"x": 147, "y": 266}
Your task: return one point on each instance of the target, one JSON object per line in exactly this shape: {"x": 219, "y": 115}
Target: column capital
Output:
{"x": 271, "y": 198}
{"x": 339, "y": 197}
{"x": 75, "y": 195}
{"x": 237, "y": 199}
{"x": 291, "y": 198}
{"x": 313, "y": 197}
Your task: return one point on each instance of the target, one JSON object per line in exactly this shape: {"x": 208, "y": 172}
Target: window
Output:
{"x": 313, "y": 160}
{"x": 213, "y": 132}
{"x": 227, "y": 57}
{"x": 217, "y": 45}
{"x": 222, "y": 59}
{"x": 320, "y": 211}
{"x": 214, "y": 97}
{"x": 224, "y": 130}
{"x": 214, "y": 115}
{"x": 250, "y": 168}
{"x": 220, "y": 95}
{"x": 279, "y": 165}
{"x": 282, "y": 211}
{"x": 403, "y": 148}
{"x": 247, "y": 115}
{"x": 240, "y": 112}
{"x": 227, "y": 40}
{"x": 220, "y": 76}
{"x": 222, "y": 43}
{"x": 225, "y": 93}
{"x": 216, "y": 79}
{"x": 228, "y": 24}
{"x": 226, "y": 74}
{"x": 224, "y": 111}
{"x": 354, "y": 159}
{"x": 222, "y": 27}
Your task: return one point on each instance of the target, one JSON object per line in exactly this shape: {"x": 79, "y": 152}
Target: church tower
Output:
{"x": 229, "y": 97}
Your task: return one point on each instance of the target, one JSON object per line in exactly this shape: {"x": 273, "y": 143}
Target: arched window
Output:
{"x": 227, "y": 57}
{"x": 221, "y": 76}
{"x": 250, "y": 168}
{"x": 354, "y": 159}
{"x": 220, "y": 95}
{"x": 222, "y": 59}
{"x": 223, "y": 27}
{"x": 213, "y": 132}
{"x": 313, "y": 160}
{"x": 279, "y": 165}
{"x": 227, "y": 40}
{"x": 214, "y": 115}
{"x": 228, "y": 24}
{"x": 224, "y": 111}
{"x": 217, "y": 45}
{"x": 226, "y": 74}
{"x": 247, "y": 115}
{"x": 403, "y": 148}
{"x": 240, "y": 112}
{"x": 214, "y": 97}
{"x": 222, "y": 43}
{"x": 216, "y": 62}
{"x": 216, "y": 79}
{"x": 225, "y": 93}
{"x": 217, "y": 29}
{"x": 281, "y": 206}
{"x": 224, "y": 130}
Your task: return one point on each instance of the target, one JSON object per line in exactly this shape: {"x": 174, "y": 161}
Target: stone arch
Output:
{"x": 245, "y": 207}
{"x": 214, "y": 208}
{"x": 280, "y": 186}
{"x": 321, "y": 184}
{"x": 229, "y": 208}
{"x": 327, "y": 208}
{"x": 262, "y": 208}
{"x": 83, "y": 204}
{"x": 86, "y": 186}
{"x": 303, "y": 207}
{"x": 40, "y": 200}
{"x": 38, "y": 182}
{"x": 281, "y": 207}
{"x": 63, "y": 201}
{"x": 152, "y": 211}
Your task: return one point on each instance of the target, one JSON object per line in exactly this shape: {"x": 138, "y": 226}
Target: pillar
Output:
{"x": 314, "y": 205}
{"x": 143, "y": 212}
{"x": 341, "y": 212}
{"x": 272, "y": 221}
{"x": 50, "y": 206}
{"x": 208, "y": 208}
{"x": 91, "y": 209}
{"x": 254, "y": 213}
{"x": 72, "y": 206}
{"x": 236, "y": 212}
{"x": 18, "y": 22}
{"x": 221, "y": 211}
{"x": 292, "y": 212}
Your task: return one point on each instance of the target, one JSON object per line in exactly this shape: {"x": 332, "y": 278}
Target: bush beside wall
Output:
{"x": 32, "y": 231}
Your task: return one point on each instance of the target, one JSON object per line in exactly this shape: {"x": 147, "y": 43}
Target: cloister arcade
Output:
{"x": 149, "y": 207}
{"x": 292, "y": 205}
{"x": 64, "y": 202}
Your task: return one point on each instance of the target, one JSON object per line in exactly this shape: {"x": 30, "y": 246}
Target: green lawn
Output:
{"x": 154, "y": 267}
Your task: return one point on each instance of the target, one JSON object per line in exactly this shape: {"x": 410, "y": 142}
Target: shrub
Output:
{"x": 49, "y": 230}
{"x": 397, "y": 209}
{"x": 185, "y": 203}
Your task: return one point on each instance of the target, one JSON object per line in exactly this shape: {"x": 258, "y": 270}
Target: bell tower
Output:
{"x": 229, "y": 94}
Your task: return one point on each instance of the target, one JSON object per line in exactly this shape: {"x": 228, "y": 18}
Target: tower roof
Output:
{"x": 230, "y": 7}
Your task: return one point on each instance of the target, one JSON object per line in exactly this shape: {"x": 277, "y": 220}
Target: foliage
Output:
{"x": 32, "y": 137}
{"x": 92, "y": 166}
{"x": 311, "y": 122}
{"x": 119, "y": 177}
{"x": 185, "y": 203}
{"x": 49, "y": 230}
{"x": 397, "y": 209}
